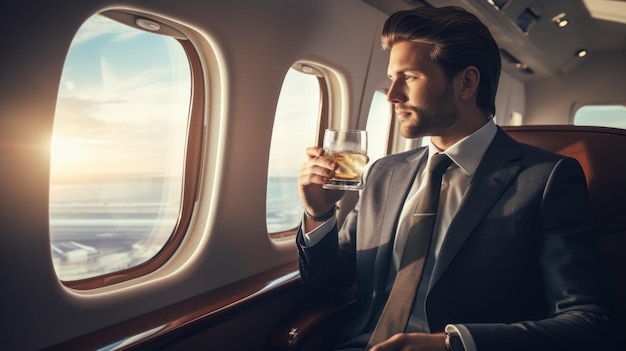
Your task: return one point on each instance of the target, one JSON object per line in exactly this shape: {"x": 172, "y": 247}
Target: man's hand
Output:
{"x": 313, "y": 174}
{"x": 413, "y": 342}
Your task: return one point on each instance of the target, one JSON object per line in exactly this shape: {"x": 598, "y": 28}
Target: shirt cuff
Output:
{"x": 316, "y": 235}
{"x": 464, "y": 334}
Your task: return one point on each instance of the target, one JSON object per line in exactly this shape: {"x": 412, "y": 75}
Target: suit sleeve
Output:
{"x": 576, "y": 288}
{"x": 329, "y": 266}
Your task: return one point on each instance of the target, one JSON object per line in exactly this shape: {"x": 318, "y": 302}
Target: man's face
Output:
{"x": 420, "y": 92}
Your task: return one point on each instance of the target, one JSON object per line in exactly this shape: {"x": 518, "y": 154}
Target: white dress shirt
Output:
{"x": 466, "y": 154}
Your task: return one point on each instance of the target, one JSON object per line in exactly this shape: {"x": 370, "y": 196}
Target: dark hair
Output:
{"x": 458, "y": 40}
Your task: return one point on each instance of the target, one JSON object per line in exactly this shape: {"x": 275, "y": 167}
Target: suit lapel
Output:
{"x": 401, "y": 180}
{"x": 494, "y": 174}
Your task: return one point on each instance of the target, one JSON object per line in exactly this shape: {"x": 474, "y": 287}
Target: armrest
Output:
{"x": 314, "y": 327}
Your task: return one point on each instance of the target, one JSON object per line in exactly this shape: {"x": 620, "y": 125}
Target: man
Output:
{"x": 511, "y": 263}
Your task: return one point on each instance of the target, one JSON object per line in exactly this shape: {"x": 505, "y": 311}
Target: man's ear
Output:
{"x": 468, "y": 80}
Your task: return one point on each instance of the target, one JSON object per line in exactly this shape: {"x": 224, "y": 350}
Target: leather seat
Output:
{"x": 602, "y": 153}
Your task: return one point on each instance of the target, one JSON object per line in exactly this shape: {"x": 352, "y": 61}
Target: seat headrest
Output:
{"x": 602, "y": 153}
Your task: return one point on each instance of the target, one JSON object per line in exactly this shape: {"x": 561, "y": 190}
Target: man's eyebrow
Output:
{"x": 403, "y": 71}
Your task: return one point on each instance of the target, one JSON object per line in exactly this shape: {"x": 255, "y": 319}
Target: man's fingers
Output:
{"x": 317, "y": 170}
{"x": 315, "y": 178}
{"x": 314, "y": 151}
{"x": 390, "y": 344}
{"x": 413, "y": 342}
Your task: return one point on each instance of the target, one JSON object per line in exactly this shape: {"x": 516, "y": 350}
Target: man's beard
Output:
{"x": 431, "y": 120}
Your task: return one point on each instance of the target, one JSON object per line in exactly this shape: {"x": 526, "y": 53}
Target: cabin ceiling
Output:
{"x": 546, "y": 49}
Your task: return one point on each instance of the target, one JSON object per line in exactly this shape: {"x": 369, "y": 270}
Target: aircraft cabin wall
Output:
{"x": 245, "y": 61}
{"x": 510, "y": 100}
{"x": 598, "y": 80}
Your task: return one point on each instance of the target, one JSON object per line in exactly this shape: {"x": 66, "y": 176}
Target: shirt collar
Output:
{"x": 468, "y": 152}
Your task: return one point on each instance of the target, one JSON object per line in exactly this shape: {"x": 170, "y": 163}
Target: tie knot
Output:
{"x": 439, "y": 163}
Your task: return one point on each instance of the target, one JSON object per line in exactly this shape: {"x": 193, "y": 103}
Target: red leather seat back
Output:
{"x": 602, "y": 153}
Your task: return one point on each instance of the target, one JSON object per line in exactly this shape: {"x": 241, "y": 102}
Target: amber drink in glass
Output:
{"x": 347, "y": 147}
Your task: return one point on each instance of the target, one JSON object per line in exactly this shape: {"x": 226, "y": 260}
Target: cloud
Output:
{"x": 99, "y": 26}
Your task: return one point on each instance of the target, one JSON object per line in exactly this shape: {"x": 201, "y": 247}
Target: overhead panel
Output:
{"x": 525, "y": 29}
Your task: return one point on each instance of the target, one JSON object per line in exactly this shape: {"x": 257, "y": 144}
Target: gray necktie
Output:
{"x": 395, "y": 315}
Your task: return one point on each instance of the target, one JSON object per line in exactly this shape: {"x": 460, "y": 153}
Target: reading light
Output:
{"x": 560, "y": 20}
{"x": 497, "y": 4}
{"x": 581, "y": 53}
{"x": 517, "y": 63}
{"x": 148, "y": 24}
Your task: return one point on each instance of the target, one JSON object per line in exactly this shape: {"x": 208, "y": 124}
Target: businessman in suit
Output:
{"x": 511, "y": 263}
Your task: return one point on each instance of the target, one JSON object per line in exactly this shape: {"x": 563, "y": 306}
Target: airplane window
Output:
{"x": 378, "y": 126}
{"x": 118, "y": 149}
{"x": 295, "y": 129}
{"x": 601, "y": 115}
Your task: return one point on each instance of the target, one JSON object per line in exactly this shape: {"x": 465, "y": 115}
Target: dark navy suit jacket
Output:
{"x": 518, "y": 267}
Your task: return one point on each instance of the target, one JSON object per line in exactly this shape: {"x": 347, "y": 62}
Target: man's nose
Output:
{"x": 395, "y": 95}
